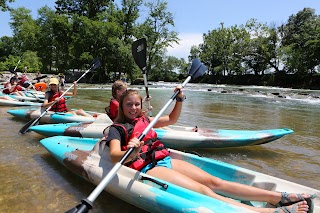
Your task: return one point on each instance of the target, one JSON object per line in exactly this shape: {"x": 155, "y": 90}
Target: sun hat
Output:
{"x": 54, "y": 81}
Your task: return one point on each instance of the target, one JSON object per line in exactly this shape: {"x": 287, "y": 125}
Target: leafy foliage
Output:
{"x": 77, "y": 31}
{"x": 4, "y": 5}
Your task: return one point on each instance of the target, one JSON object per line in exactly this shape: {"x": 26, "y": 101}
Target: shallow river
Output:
{"x": 31, "y": 180}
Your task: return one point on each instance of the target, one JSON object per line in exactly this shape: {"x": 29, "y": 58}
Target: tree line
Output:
{"x": 68, "y": 37}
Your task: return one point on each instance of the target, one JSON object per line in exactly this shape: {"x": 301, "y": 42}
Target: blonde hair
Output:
{"x": 117, "y": 85}
{"x": 121, "y": 118}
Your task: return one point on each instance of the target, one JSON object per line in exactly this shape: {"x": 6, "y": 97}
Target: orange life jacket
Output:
{"x": 152, "y": 150}
{"x": 60, "y": 106}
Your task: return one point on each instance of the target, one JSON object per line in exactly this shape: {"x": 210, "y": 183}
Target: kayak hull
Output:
{"x": 174, "y": 136}
{"x": 4, "y": 102}
{"x": 90, "y": 160}
{"x": 49, "y": 117}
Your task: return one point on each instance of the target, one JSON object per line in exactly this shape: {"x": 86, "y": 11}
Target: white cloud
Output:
{"x": 182, "y": 50}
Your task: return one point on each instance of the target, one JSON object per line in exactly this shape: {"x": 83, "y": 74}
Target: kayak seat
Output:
{"x": 265, "y": 185}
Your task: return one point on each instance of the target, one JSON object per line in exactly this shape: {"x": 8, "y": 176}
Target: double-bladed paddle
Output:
{"x": 197, "y": 69}
{"x": 139, "y": 53}
{"x": 95, "y": 64}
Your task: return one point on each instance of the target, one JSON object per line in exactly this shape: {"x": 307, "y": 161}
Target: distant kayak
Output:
{"x": 173, "y": 136}
{"x": 4, "y": 102}
{"x": 25, "y": 98}
{"x": 91, "y": 161}
{"x": 52, "y": 117}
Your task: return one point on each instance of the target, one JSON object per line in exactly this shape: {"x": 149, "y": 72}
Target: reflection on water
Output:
{"x": 31, "y": 180}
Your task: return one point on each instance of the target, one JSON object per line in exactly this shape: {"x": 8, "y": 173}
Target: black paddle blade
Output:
{"x": 139, "y": 53}
{"x": 41, "y": 77}
{"x": 95, "y": 64}
{"x": 13, "y": 72}
{"x": 197, "y": 68}
{"x": 31, "y": 123}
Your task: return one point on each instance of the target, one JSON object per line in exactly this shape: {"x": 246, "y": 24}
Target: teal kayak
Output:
{"x": 4, "y": 102}
{"x": 173, "y": 136}
{"x": 90, "y": 160}
{"x": 52, "y": 117}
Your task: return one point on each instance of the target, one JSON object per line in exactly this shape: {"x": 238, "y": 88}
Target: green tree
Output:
{"x": 88, "y": 8}
{"x": 31, "y": 61}
{"x": 301, "y": 42}
{"x": 6, "y": 47}
{"x": 126, "y": 18}
{"x": 24, "y": 30}
{"x": 216, "y": 51}
{"x": 4, "y": 5}
{"x": 156, "y": 29}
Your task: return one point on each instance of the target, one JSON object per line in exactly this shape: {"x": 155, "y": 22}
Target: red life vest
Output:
{"x": 152, "y": 150}
{"x": 60, "y": 106}
{"x": 112, "y": 110}
{"x": 22, "y": 79}
{"x": 15, "y": 88}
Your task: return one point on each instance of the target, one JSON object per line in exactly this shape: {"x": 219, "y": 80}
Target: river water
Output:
{"x": 31, "y": 180}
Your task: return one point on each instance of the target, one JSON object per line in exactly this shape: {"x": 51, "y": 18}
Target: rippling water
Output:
{"x": 31, "y": 180}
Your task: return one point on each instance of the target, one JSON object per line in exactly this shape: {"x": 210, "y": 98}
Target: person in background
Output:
{"x": 150, "y": 156}
{"x": 38, "y": 75}
{"x": 60, "y": 106}
{"x": 13, "y": 88}
{"x": 62, "y": 81}
{"x": 24, "y": 81}
{"x": 118, "y": 88}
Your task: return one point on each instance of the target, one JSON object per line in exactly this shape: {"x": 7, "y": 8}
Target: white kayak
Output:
{"x": 173, "y": 136}
{"x": 4, "y": 102}
{"x": 90, "y": 160}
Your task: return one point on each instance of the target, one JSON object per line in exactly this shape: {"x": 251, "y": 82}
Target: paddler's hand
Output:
{"x": 58, "y": 99}
{"x": 180, "y": 95}
{"x": 134, "y": 142}
{"x": 145, "y": 99}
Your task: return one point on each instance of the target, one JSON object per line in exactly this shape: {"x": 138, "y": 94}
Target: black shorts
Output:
{"x": 26, "y": 84}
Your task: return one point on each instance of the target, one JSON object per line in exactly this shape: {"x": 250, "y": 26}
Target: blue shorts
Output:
{"x": 165, "y": 162}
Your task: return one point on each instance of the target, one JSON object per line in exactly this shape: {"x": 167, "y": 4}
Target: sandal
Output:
{"x": 285, "y": 201}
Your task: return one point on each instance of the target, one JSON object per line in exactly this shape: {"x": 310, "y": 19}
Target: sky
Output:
{"x": 194, "y": 18}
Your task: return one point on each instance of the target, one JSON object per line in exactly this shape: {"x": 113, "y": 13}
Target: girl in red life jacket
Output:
{"x": 12, "y": 87}
{"x": 54, "y": 93}
{"x": 122, "y": 137}
{"x": 118, "y": 88}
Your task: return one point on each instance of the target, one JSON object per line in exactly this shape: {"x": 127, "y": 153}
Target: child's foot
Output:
{"x": 300, "y": 207}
